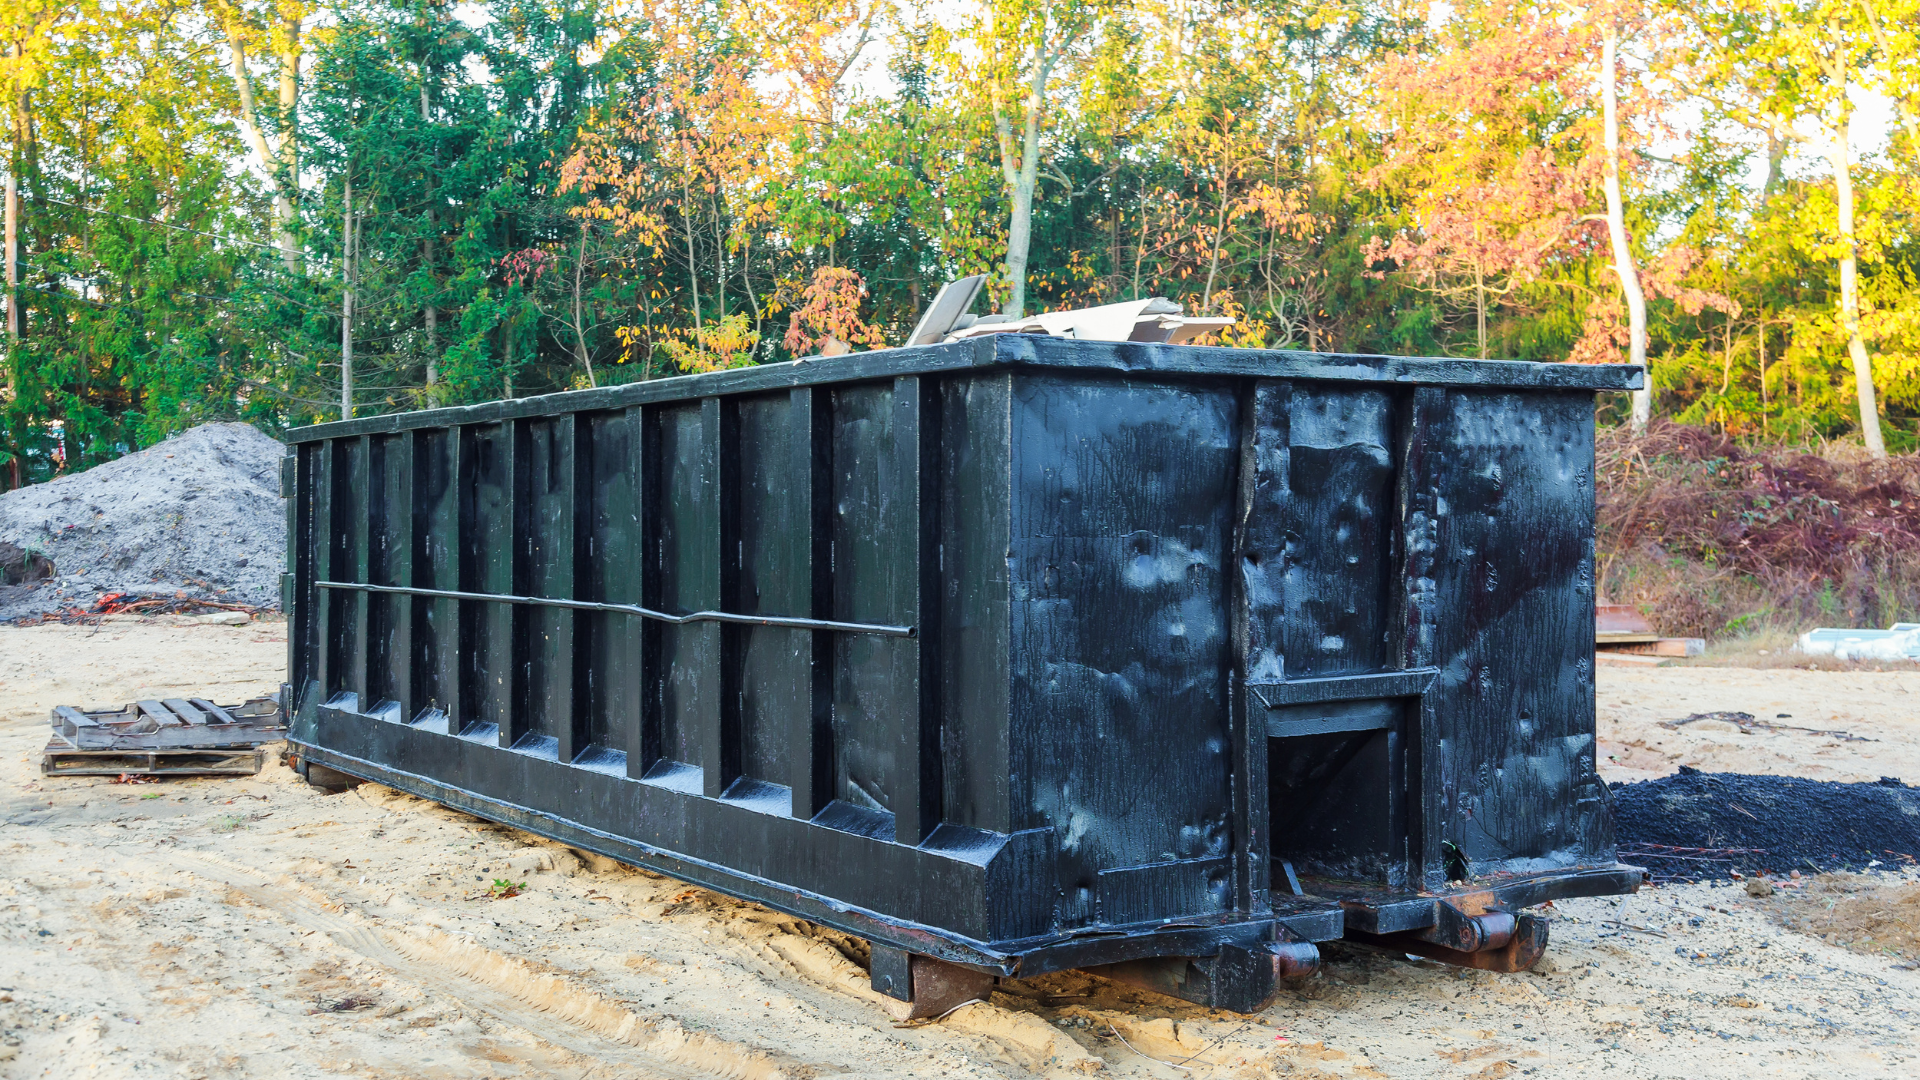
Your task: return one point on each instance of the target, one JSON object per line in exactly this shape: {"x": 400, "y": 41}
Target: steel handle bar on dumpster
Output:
{"x": 785, "y": 621}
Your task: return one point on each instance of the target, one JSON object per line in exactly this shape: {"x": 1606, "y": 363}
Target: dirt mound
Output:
{"x": 198, "y": 514}
{"x": 1704, "y": 826}
{"x": 1855, "y": 911}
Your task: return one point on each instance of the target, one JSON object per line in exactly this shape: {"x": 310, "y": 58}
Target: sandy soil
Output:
{"x": 1876, "y": 712}
{"x": 256, "y": 927}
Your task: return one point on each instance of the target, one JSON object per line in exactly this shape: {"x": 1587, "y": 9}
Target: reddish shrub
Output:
{"x": 1717, "y": 537}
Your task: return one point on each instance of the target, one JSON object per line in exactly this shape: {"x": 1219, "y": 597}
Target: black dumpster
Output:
{"x": 1010, "y": 655}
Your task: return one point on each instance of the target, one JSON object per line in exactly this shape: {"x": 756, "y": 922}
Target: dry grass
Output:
{"x": 1721, "y": 541}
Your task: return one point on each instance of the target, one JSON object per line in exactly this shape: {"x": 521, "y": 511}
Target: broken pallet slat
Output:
{"x": 173, "y": 724}
{"x": 185, "y": 711}
{"x": 1627, "y": 659}
{"x": 220, "y": 715}
{"x": 1620, "y": 619}
{"x": 70, "y": 715}
{"x": 1677, "y": 646}
{"x": 60, "y": 760}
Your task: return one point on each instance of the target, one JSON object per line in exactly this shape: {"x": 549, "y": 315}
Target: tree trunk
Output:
{"x": 579, "y": 322}
{"x": 13, "y": 256}
{"x": 1023, "y": 176}
{"x": 1849, "y": 287}
{"x": 280, "y": 164}
{"x": 1480, "y": 306}
{"x": 1623, "y": 263}
{"x": 1776, "y": 156}
{"x": 287, "y": 184}
{"x": 432, "y": 312}
{"x": 693, "y": 262}
{"x": 1213, "y": 260}
{"x": 346, "y": 303}
{"x": 13, "y": 220}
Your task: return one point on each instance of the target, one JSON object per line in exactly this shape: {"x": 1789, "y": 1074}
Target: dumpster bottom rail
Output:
{"x": 1234, "y": 962}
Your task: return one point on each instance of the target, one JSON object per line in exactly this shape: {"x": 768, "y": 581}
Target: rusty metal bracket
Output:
{"x": 1457, "y": 930}
{"x": 920, "y": 987}
{"x": 1523, "y": 947}
{"x": 1239, "y": 978}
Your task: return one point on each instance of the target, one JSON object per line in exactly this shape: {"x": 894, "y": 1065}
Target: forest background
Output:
{"x": 282, "y": 211}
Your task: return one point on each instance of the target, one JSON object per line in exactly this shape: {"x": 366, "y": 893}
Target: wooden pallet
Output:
{"x": 171, "y": 724}
{"x": 61, "y": 759}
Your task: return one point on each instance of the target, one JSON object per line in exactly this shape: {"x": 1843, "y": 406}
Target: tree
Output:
{"x": 1798, "y": 60}
{"x": 1623, "y": 261}
{"x": 1021, "y": 43}
{"x": 1495, "y": 184}
{"x": 275, "y": 28}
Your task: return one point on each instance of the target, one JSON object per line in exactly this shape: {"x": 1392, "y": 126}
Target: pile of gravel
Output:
{"x": 198, "y": 514}
{"x": 1703, "y": 826}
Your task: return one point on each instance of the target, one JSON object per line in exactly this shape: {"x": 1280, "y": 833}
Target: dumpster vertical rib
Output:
{"x": 1423, "y": 457}
{"x": 301, "y": 537}
{"x": 469, "y": 535}
{"x": 401, "y": 502}
{"x": 644, "y": 736}
{"x": 718, "y": 723}
{"x": 450, "y": 645}
{"x": 377, "y": 626}
{"x": 553, "y": 501}
{"x": 292, "y": 492}
{"x": 515, "y": 621}
{"x": 566, "y": 691}
{"x": 809, "y": 752}
{"x": 917, "y": 809}
{"x": 362, "y": 510}
{"x": 1258, "y": 609}
{"x": 325, "y": 539}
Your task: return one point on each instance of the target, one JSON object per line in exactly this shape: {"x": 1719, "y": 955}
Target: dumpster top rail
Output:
{"x": 1018, "y": 350}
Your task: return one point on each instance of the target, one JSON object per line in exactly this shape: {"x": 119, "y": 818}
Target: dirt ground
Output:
{"x": 256, "y": 927}
{"x": 1849, "y": 725}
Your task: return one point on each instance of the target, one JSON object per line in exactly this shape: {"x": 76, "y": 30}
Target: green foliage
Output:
{"x": 548, "y": 194}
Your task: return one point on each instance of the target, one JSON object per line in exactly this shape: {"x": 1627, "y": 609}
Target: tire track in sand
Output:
{"x": 546, "y": 1006}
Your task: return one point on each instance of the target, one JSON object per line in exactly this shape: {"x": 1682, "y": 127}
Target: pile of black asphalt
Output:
{"x": 1697, "y": 826}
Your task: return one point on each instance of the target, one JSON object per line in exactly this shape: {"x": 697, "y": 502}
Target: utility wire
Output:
{"x": 162, "y": 224}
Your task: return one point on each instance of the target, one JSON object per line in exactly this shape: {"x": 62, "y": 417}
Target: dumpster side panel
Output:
{"x": 551, "y": 561}
{"x": 608, "y": 645}
{"x": 487, "y": 558}
{"x": 688, "y": 554}
{"x": 435, "y": 507}
{"x": 973, "y": 572}
{"x": 873, "y": 691}
{"x": 390, "y": 556}
{"x": 1123, "y": 499}
{"x": 1339, "y": 531}
{"x": 770, "y": 666}
{"x": 1513, "y": 748}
